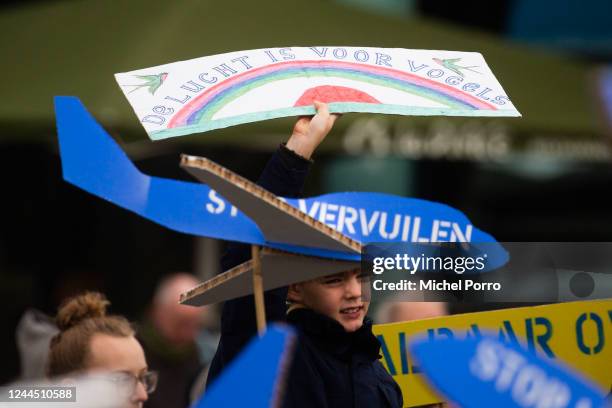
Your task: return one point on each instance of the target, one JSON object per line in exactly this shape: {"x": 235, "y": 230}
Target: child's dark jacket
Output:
{"x": 330, "y": 367}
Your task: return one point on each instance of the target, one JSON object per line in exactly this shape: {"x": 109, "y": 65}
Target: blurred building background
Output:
{"x": 543, "y": 177}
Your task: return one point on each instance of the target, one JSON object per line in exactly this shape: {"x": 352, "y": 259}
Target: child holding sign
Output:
{"x": 335, "y": 363}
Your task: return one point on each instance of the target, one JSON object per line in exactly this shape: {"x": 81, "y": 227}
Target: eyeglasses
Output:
{"x": 126, "y": 382}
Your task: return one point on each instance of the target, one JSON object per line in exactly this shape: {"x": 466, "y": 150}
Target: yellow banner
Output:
{"x": 574, "y": 333}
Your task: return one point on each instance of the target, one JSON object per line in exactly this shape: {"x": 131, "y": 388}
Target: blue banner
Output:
{"x": 93, "y": 161}
{"x": 484, "y": 372}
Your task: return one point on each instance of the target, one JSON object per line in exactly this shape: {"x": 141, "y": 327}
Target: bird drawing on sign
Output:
{"x": 452, "y": 65}
{"x": 152, "y": 82}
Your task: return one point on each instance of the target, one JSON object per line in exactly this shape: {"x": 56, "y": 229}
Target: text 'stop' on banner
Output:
{"x": 223, "y": 90}
{"x": 501, "y": 374}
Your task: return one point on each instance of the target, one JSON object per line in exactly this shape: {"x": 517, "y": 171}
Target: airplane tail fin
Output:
{"x": 93, "y": 161}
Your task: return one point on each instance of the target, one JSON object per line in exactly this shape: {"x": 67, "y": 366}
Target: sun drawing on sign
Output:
{"x": 333, "y": 93}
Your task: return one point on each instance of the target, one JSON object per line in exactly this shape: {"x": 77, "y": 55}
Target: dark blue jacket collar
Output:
{"x": 328, "y": 334}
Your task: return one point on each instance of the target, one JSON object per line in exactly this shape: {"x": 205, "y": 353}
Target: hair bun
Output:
{"x": 86, "y": 306}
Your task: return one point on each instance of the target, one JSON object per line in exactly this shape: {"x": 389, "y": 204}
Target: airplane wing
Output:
{"x": 278, "y": 269}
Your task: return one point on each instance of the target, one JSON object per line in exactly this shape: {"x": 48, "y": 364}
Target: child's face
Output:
{"x": 336, "y": 296}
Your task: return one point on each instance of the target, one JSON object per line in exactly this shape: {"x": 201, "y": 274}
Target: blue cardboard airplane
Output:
{"x": 318, "y": 236}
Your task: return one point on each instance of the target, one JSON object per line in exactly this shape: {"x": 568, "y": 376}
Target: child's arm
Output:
{"x": 284, "y": 175}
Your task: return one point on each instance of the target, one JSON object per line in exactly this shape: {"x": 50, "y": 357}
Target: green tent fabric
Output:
{"x": 74, "y": 48}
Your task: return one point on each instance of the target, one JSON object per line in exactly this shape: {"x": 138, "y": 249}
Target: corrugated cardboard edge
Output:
{"x": 232, "y": 273}
{"x": 203, "y": 163}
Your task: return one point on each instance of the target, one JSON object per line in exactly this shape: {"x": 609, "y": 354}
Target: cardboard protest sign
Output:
{"x": 575, "y": 333}
{"x": 222, "y": 90}
{"x": 485, "y": 372}
{"x": 91, "y": 160}
{"x": 257, "y": 376}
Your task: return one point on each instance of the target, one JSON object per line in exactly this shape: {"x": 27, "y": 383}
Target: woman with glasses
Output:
{"x": 98, "y": 345}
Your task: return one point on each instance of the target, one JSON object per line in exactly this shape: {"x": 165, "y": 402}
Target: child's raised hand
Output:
{"x": 309, "y": 131}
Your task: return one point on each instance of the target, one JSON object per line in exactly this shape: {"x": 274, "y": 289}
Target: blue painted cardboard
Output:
{"x": 484, "y": 372}
{"x": 93, "y": 161}
{"x": 256, "y": 377}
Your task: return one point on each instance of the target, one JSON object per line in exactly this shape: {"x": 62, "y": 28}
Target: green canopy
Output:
{"x": 74, "y": 48}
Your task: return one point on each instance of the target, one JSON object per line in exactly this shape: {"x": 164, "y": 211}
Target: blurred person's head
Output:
{"x": 91, "y": 342}
{"x": 337, "y": 296}
{"x": 33, "y": 334}
{"x": 400, "y": 311}
{"x": 178, "y": 324}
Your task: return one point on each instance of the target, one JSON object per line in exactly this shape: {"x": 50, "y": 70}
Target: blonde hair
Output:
{"x": 78, "y": 319}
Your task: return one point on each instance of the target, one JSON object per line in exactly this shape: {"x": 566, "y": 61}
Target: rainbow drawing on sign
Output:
{"x": 203, "y": 108}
